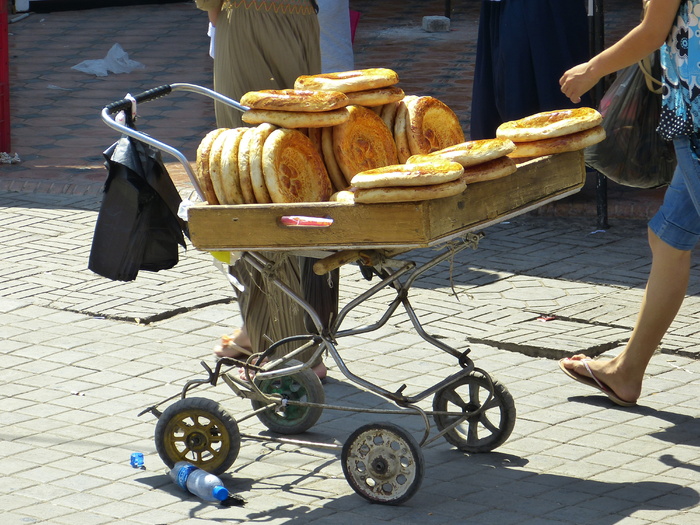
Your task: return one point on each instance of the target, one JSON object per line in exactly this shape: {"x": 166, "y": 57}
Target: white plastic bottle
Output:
{"x": 199, "y": 482}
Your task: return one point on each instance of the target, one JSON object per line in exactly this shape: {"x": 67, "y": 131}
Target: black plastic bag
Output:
{"x": 633, "y": 153}
{"x": 137, "y": 226}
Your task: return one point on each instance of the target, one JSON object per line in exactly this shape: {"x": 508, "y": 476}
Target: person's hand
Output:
{"x": 577, "y": 81}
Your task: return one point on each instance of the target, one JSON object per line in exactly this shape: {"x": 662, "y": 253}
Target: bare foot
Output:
{"x": 608, "y": 372}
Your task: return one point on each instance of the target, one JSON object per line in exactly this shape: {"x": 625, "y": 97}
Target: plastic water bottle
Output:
{"x": 199, "y": 482}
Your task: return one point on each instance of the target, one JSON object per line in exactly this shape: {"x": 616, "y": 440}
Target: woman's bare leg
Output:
{"x": 664, "y": 294}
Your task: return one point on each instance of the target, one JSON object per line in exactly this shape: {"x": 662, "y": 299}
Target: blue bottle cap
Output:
{"x": 220, "y": 492}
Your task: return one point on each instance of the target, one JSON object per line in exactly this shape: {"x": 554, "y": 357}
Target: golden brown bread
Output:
{"x": 244, "y": 179}
{"x": 425, "y": 173}
{"x": 230, "y": 180}
{"x": 403, "y": 150}
{"x": 408, "y": 193}
{"x": 550, "y": 124}
{"x": 490, "y": 170}
{"x": 476, "y": 151}
{"x": 255, "y": 151}
{"x": 562, "y": 144}
{"x": 218, "y": 166}
{"x": 201, "y": 171}
{"x": 432, "y": 125}
{"x": 296, "y": 119}
{"x": 293, "y": 168}
{"x": 363, "y": 142}
{"x": 348, "y": 81}
{"x": 375, "y": 97}
{"x": 294, "y": 100}
{"x": 334, "y": 172}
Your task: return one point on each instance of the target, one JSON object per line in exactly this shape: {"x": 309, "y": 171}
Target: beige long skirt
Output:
{"x": 261, "y": 49}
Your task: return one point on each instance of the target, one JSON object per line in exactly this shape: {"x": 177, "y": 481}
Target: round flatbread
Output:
{"x": 375, "y": 97}
{"x": 244, "y": 167}
{"x": 418, "y": 174}
{"x": 293, "y": 169}
{"x": 409, "y": 193}
{"x": 216, "y": 159}
{"x": 403, "y": 150}
{"x": 334, "y": 172}
{"x": 315, "y": 135}
{"x": 550, "y": 124}
{"x": 255, "y": 150}
{"x": 552, "y": 146}
{"x": 295, "y": 100}
{"x": 432, "y": 126}
{"x": 491, "y": 170}
{"x": 388, "y": 114}
{"x": 348, "y": 81}
{"x": 230, "y": 183}
{"x": 201, "y": 170}
{"x": 363, "y": 143}
{"x": 296, "y": 119}
{"x": 476, "y": 151}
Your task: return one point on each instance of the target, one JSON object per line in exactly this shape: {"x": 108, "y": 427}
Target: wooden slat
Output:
{"x": 395, "y": 225}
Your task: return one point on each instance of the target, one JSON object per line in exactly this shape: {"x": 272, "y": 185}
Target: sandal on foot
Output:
{"x": 594, "y": 382}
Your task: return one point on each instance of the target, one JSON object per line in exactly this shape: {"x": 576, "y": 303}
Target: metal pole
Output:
{"x": 5, "y": 143}
{"x": 448, "y": 8}
{"x": 597, "y": 31}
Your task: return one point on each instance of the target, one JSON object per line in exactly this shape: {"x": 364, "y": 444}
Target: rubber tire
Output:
{"x": 468, "y": 398}
{"x": 300, "y": 386}
{"x": 372, "y": 467}
{"x": 199, "y": 431}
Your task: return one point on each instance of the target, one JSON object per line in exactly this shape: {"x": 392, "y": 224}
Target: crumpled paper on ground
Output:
{"x": 116, "y": 61}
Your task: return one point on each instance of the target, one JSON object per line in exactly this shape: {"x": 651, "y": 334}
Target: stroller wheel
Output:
{"x": 481, "y": 413}
{"x": 199, "y": 431}
{"x": 287, "y": 417}
{"x": 383, "y": 463}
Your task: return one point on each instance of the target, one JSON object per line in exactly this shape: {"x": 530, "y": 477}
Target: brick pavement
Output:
{"x": 82, "y": 356}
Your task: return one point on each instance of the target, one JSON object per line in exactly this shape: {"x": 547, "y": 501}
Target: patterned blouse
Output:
{"x": 680, "y": 61}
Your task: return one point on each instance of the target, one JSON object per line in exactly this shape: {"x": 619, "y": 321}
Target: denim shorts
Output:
{"x": 677, "y": 222}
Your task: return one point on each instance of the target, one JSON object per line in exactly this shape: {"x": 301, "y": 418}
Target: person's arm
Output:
{"x": 644, "y": 39}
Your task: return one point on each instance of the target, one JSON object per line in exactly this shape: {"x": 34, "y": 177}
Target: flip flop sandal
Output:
{"x": 594, "y": 382}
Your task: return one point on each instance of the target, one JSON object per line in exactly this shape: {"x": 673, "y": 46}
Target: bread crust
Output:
{"x": 230, "y": 181}
{"x": 561, "y": 144}
{"x": 550, "y": 124}
{"x": 296, "y": 119}
{"x": 244, "y": 167}
{"x": 490, "y": 170}
{"x": 419, "y": 174}
{"x": 375, "y": 97}
{"x": 293, "y": 169}
{"x": 255, "y": 151}
{"x": 201, "y": 171}
{"x": 475, "y": 152}
{"x": 348, "y": 81}
{"x": 409, "y": 193}
{"x": 295, "y": 100}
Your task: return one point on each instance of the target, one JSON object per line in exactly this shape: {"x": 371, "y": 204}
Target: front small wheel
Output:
{"x": 487, "y": 410}
{"x": 199, "y": 431}
{"x": 303, "y": 386}
{"x": 383, "y": 463}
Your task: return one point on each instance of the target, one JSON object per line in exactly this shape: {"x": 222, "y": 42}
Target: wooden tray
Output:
{"x": 258, "y": 227}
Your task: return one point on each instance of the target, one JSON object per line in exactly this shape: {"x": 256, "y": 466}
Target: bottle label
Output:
{"x": 183, "y": 474}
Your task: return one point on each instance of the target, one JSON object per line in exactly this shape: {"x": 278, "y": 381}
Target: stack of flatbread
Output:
{"x": 421, "y": 125}
{"x": 482, "y": 159}
{"x": 260, "y": 165}
{"x": 295, "y": 108}
{"x": 424, "y": 179}
{"x": 362, "y": 142}
{"x": 552, "y": 132}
